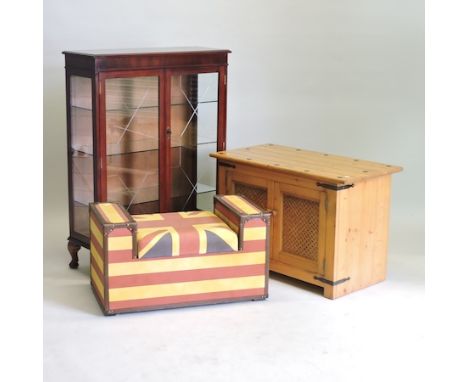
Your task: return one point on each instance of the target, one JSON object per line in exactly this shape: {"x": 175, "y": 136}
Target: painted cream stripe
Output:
{"x": 111, "y": 214}
{"x": 198, "y": 214}
{"x": 96, "y": 232}
{"x": 97, "y": 258}
{"x": 119, "y": 243}
{"x": 185, "y": 263}
{"x": 97, "y": 281}
{"x": 242, "y": 204}
{"x": 186, "y": 288}
{"x": 148, "y": 217}
{"x": 202, "y": 240}
{"x": 254, "y": 233}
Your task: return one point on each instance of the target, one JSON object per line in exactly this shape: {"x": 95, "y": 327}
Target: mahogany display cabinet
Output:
{"x": 330, "y": 213}
{"x": 140, "y": 126}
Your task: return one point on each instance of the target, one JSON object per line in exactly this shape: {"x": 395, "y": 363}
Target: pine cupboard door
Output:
{"x": 299, "y": 229}
{"x": 256, "y": 189}
{"x": 130, "y": 128}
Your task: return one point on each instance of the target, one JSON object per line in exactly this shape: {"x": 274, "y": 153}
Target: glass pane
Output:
{"x": 194, "y": 122}
{"x": 206, "y": 173}
{"x": 81, "y": 151}
{"x": 132, "y": 125}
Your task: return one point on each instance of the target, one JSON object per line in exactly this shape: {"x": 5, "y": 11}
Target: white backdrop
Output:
{"x": 338, "y": 76}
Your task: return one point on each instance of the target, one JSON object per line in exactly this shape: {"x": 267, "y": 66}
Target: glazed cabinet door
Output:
{"x": 194, "y": 124}
{"x": 131, "y": 123}
{"x": 299, "y": 227}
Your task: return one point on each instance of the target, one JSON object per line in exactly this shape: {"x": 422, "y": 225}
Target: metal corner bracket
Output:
{"x": 332, "y": 283}
{"x": 335, "y": 187}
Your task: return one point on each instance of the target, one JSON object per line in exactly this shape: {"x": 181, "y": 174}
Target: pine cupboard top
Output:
{"x": 324, "y": 167}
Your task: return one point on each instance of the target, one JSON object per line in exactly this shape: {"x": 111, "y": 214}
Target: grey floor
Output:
{"x": 295, "y": 335}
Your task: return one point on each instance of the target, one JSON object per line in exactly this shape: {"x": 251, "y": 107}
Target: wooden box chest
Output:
{"x": 168, "y": 260}
{"x": 330, "y": 213}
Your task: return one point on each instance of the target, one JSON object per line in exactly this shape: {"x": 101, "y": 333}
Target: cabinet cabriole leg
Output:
{"x": 73, "y": 248}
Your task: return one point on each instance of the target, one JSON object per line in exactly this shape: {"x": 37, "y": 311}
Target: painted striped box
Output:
{"x": 123, "y": 282}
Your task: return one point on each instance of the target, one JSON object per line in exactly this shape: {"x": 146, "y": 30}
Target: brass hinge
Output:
{"x": 225, "y": 79}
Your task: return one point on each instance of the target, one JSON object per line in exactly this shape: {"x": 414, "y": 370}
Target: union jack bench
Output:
{"x": 157, "y": 261}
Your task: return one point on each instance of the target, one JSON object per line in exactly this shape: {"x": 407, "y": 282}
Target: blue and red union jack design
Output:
{"x": 182, "y": 234}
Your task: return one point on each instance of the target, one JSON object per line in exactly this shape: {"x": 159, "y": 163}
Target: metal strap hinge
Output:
{"x": 335, "y": 187}
{"x": 332, "y": 283}
{"x": 224, "y": 164}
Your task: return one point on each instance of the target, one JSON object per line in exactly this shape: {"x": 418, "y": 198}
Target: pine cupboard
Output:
{"x": 329, "y": 213}
{"x": 140, "y": 126}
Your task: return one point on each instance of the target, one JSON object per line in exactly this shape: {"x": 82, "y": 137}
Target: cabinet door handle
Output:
{"x": 168, "y": 130}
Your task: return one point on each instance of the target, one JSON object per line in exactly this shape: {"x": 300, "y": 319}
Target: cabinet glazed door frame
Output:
{"x": 221, "y": 117}
{"x": 280, "y": 255}
{"x": 101, "y": 145}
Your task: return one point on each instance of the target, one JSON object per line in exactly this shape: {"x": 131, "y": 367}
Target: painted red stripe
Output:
{"x": 212, "y": 297}
{"x": 169, "y": 258}
{"x": 98, "y": 247}
{"x": 96, "y": 223}
{"x": 116, "y": 209}
{"x": 98, "y": 271}
{"x": 183, "y": 276}
{"x": 101, "y": 212}
{"x": 119, "y": 256}
{"x": 254, "y": 245}
{"x": 176, "y": 221}
{"x": 101, "y": 277}
{"x": 229, "y": 214}
{"x": 254, "y": 223}
{"x": 120, "y": 212}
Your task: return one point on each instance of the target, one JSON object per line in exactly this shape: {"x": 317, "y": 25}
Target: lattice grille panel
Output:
{"x": 301, "y": 227}
{"x": 257, "y": 195}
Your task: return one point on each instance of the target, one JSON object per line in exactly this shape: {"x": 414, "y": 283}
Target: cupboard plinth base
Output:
{"x": 341, "y": 287}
